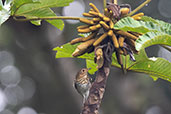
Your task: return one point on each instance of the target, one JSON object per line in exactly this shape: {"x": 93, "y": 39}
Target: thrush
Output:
{"x": 82, "y": 83}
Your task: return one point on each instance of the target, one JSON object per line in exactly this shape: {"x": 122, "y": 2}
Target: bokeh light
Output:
{"x": 164, "y": 53}
{"x": 2, "y": 100}
{"x": 10, "y": 76}
{"x": 6, "y": 111}
{"x": 27, "y": 110}
{"x": 6, "y": 58}
{"x": 164, "y": 8}
{"x": 28, "y": 87}
{"x": 72, "y": 10}
{"x": 14, "y": 95}
{"x": 154, "y": 110}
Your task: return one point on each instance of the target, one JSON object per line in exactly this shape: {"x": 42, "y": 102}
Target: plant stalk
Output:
{"x": 47, "y": 18}
{"x": 166, "y": 47}
{"x": 139, "y": 7}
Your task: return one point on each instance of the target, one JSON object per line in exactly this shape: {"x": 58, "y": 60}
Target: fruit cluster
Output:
{"x": 100, "y": 26}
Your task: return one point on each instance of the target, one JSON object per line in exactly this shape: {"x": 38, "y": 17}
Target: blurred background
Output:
{"x": 32, "y": 81}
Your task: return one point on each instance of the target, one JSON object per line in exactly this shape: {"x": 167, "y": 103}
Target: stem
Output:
{"x": 166, "y": 47}
{"x": 47, "y": 18}
{"x": 139, "y": 7}
{"x": 104, "y": 4}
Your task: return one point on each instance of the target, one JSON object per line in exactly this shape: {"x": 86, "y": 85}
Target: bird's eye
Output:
{"x": 83, "y": 70}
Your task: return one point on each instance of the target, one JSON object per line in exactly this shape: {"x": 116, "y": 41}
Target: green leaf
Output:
{"x": 153, "y": 38}
{"x": 66, "y": 50}
{"x": 129, "y": 24}
{"x": 166, "y": 26}
{"x": 33, "y": 8}
{"x": 157, "y": 67}
{"x": 29, "y": 9}
{"x": 37, "y": 22}
{"x": 5, "y": 10}
{"x": 18, "y": 3}
{"x": 92, "y": 65}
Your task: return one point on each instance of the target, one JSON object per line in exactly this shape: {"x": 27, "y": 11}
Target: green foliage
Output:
{"x": 154, "y": 32}
{"x": 29, "y": 9}
{"x": 4, "y": 11}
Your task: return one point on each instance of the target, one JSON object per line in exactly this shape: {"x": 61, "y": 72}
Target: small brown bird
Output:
{"x": 82, "y": 83}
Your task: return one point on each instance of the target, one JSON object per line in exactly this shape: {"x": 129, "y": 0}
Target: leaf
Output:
{"x": 18, "y": 3}
{"x": 129, "y": 24}
{"x": 165, "y": 25}
{"x": 157, "y": 67}
{"x": 92, "y": 65}
{"x": 153, "y": 38}
{"x": 66, "y": 50}
{"x": 37, "y": 22}
{"x": 5, "y": 10}
{"x": 29, "y": 9}
{"x": 39, "y": 9}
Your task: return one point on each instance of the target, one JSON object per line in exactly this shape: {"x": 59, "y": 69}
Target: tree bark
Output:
{"x": 97, "y": 90}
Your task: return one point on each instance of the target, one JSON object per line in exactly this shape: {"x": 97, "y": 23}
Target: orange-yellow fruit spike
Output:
{"x": 110, "y": 32}
{"x": 76, "y": 40}
{"x": 124, "y": 11}
{"x": 86, "y": 21}
{"x": 137, "y": 18}
{"x": 94, "y": 7}
{"x": 95, "y": 27}
{"x": 107, "y": 19}
{"x": 92, "y": 35}
{"x": 104, "y": 25}
{"x": 93, "y": 13}
{"x": 121, "y": 41}
{"x": 82, "y": 26}
{"x": 106, "y": 12}
{"x": 96, "y": 19}
{"x": 87, "y": 15}
{"x": 111, "y": 24}
{"x": 82, "y": 47}
{"x": 126, "y": 34}
{"x": 86, "y": 30}
{"x": 115, "y": 41}
{"x": 100, "y": 39}
{"x": 139, "y": 14}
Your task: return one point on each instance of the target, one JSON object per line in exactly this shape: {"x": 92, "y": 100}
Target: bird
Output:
{"x": 82, "y": 83}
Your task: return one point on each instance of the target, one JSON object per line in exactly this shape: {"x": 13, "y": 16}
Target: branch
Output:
{"x": 46, "y": 18}
{"x": 166, "y": 47}
{"x": 97, "y": 90}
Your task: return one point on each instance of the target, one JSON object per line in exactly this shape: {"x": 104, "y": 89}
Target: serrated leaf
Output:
{"x": 5, "y": 10}
{"x": 129, "y": 24}
{"x": 164, "y": 25}
{"x": 153, "y": 38}
{"x": 92, "y": 65}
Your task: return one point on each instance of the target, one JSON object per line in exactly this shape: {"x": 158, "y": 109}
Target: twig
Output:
{"x": 139, "y": 7}
{"x": 104, "y": 4}
{"x": 166, "y": 47}
{"x": 46, "y": 18}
